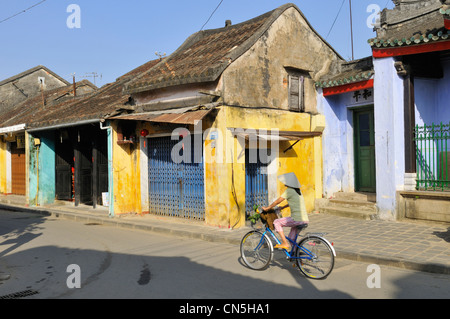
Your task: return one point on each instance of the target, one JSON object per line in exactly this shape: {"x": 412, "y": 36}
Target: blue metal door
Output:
{"x": 175, "y": 189}
{"x": 256, "y": 189}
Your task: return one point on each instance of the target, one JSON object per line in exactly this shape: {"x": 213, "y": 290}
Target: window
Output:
{"x": 296, "y": 90}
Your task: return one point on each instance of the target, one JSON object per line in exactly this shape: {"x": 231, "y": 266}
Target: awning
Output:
{"x": 186, "y": 118}
{"x": 12, "y": 129}
{"x": 268, "y": 135}
{"x": 190, "y": 115}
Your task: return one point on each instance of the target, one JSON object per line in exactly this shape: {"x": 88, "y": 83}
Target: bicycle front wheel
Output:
{"x": 256, "y": 250}
{"x": 315, "y": 258}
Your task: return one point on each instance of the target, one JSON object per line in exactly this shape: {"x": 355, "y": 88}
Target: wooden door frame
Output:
{"x": 18, "y": 185}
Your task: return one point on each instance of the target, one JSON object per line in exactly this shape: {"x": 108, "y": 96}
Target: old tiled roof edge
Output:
{"x": 34, "y": 69}
{"x": 213, "y": 73}
{"x": 112, "y": 106}
{"x": 137, "y": 71}
{"x": 445, "y": 10}
{"x": 33, "y": 103}
{"x": 349, "y": 72}
{"x": 89, "y": 98}
{"x": 428, "y": 36}
{"x": 415, "y": 39}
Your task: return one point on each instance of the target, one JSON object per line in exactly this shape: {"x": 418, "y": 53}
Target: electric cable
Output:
{"x": 211, "y": 14}
{"x": 335, "y": 19}
{"x": 23, "y": 11}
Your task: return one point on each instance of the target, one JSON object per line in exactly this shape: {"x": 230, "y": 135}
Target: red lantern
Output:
{"x": 144, "y": 132}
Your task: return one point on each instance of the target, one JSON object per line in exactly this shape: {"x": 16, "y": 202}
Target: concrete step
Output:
{"x": 13, "y": 199}
{"x": 349, "y": 212}
{"x": 353, "y": 204}
{"x": 362, "y": 197}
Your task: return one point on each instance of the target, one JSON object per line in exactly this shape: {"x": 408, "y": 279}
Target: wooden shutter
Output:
{"x": 296, "y": 93}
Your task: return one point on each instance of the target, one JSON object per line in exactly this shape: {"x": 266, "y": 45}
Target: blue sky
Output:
{"x": 116, "y": 36}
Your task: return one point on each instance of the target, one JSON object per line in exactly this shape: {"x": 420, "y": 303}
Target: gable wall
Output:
{"x": 259, "y": 78}
{"x": 29, "y": 85}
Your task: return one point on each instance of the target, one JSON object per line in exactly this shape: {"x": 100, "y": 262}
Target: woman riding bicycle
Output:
{"x": 296, "y": 202}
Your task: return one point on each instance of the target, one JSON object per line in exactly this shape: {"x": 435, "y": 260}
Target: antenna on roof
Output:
{"x": 351, "y": 28}
{"x": 161, "y": 55}
{"x": 74, "y": 85}
{"x": 93, "y": 75}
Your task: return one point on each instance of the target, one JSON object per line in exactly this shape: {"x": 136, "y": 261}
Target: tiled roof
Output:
{"x": 206, "y": 54}
{"x": 107, "y": 101}
{"x": 349, "y": 72}
{"x": 43, "y": 104}
{"x": 445, "y": 10}
{"x": 201, "y": 58}
{"x": 420, "y": 23}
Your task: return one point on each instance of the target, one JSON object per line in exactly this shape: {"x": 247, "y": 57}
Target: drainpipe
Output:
{"x": 37, "y": 175}
{"x": 110, "y": 167}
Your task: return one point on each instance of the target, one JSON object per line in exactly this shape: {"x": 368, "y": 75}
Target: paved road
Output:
{"x": 119, "y": 263}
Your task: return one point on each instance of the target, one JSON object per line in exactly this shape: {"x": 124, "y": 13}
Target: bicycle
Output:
{"x": 314, "y": 255}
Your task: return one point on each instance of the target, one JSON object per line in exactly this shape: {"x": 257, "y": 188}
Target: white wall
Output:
{"x": 338, "y": 160}
{"x": 432, "y": 98}
{"x": 389, "y": 136}
{"x": 432, "y": 106}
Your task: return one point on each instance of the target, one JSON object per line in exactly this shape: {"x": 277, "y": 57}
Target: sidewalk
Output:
{"x": 407, "y": 244}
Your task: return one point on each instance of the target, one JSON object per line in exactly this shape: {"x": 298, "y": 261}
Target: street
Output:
{"x": 48, "y": 257}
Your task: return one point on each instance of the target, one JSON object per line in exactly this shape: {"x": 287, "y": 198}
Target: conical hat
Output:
{"x": 289, "y": 180}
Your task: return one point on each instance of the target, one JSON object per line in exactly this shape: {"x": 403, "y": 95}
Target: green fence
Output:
{"x": 433, "y": 157}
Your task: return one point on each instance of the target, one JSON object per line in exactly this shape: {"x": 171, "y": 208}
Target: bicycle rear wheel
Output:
{"x": 256, "y": 250}
{"x": 316, "y": 258}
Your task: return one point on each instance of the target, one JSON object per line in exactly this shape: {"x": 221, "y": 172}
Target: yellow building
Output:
{"x": 3, "y": 179}
{"x": 216, "y": 122}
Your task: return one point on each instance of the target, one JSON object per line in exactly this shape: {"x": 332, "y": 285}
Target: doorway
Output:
{"x": 175, "y": 188}
{"x": 256, "y": 180}
{"x": 364, "y": 141}
{"x": 18, "y": 179}
{"x": 81, "y": 165}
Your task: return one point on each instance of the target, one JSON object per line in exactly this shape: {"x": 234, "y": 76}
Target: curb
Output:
{"x": 397, "y": 263}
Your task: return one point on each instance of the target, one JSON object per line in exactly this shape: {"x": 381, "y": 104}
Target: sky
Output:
{"x": 112, "y": 37}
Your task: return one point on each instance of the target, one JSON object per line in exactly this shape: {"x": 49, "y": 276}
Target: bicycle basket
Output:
{"x": 267, "y": 217}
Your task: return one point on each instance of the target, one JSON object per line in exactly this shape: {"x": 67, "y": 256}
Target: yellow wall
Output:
{"x": 225, "y": 182}
{"x": 3, "y": 150}
{"x": 225, "y": 178}
{"x": 126, "y": 176}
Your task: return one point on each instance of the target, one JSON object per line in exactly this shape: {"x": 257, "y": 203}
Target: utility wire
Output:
{"x": 212, "y": 14}
{"x": 335, "y": 19}
{"x": 23, "y": 11}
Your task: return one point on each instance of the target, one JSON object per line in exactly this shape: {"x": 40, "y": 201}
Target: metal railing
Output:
{"x": 433, "y": 157}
